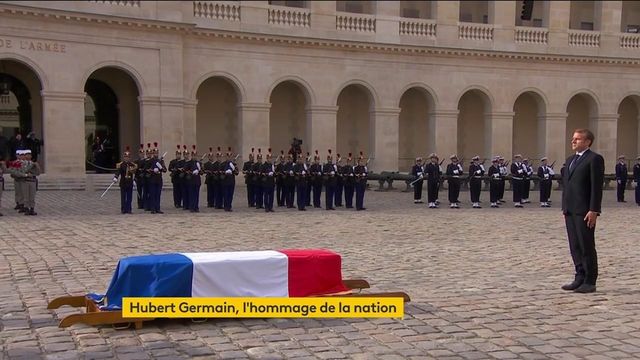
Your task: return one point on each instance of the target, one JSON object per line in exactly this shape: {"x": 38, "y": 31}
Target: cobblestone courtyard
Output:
{"x": 484, "y": 283}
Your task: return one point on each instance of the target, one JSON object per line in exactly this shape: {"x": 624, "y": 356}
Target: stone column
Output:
{"x": 445, "y": 123}
{"x": 387, "y": 21}
{"x": 150, "y": 119}
{"x": 189, "y": 122}
{"x": 502, "y": 14}
{"x": 606, "y": 133}
{"x": 253, "y": 127}
{"x": 447, "y": 16}
{"x": 322, "y": 128}
{"x": 559, "y": 17}
{"x": 323, "y": 15}
{"x": 501, "y": 134}
{"x": 384, "y": 138}
{"x": 554, "y": 134}
{"x": 254, "y": 12}
{"x": 63, "y": 133}
{"x": 610, "y": 19}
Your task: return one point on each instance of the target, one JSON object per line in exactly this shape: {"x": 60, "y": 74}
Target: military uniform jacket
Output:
{"x": 268, "y": 174}
{"x": 348, "y": 174}
{"x": 476, "y": 171}
{"x": 545, "y": 173}
{"x": 247, "y": 170}
{"x": 256, "y": 174}
{"x": 175, "y": 172}
{"x": 503, "y": 171}
{"x": 329, "y": 172}
{"x": 230, "y": 172}
{"x": 300, "y": 172}
{"x": 417, "y": 170}
{"x": 454, "y": 170}
{"x": 289, "y": 174}
{"x": 621, "y": 172}
{"x": 28, "y": 171}
{"x": 360, "y": 172}
{"x": 140, "y": 172}
{"x": 126, "y": 179}
{"x": 517, "y": 172}
{"x": 194, "y": 169}
{"x": 279, "y": 168}
{"x": 494, "y": 173}
{"x": 528, "y": 171}
{"x": 636, "y": 173}
{"x": 156, "y": 177}
{"x": 432, "y": 171}
{"x": 316, "y": 174}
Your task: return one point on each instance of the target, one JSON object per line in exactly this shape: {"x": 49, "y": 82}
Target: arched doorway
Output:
{"x": 528, "y": 125}
{"x": 355, "y": 103}
{"x": 582, "y": 112}
{"x": 287, "y": 116}
{"x": 473, "y": 126}
{"x": 217, "y": 115}
{"x": 416, "y": 128}
{"x": 112, "y": 117}
{"x": 628, "y": 128}
{"x": 20, "y": 109}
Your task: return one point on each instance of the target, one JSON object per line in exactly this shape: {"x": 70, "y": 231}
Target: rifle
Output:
{"x": 553, "y": 163}
{"x": 441, "y": 162}
{"x": 369, "y": 159}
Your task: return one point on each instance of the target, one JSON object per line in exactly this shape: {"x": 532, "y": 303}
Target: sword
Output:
{"x": 101, "y": 196}
{"x": 415, "y": 181}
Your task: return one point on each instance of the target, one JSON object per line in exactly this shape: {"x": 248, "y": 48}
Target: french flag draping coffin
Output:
{"x": 283, "y": 273}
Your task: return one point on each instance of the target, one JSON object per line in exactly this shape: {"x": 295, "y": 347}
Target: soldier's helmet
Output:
{"x": 338, "y": 158}
{"x": 621, "y": 157}
{"x": 194, "y": 152}
{"x": 518, "y": 156}
{"x": 178, "y": 151}
{"x": 453, "y": 156}
{"x": 229, "y": 153}
{"x": 219, "y": 152}
{"x": 433, "y": 156}
{"x": 184, "y": 150}
{"x": 544, "y": 159}
{"x": 141, "y": 150}
{"x": 269, "y": 155}
{"x": 210, "y": 152}
{"x": 259, "y": 157}
{"x": 329, "y": 156}
{"x": 476, "y": 158}
{"x": 127, "y": 151}
{"x": 316, "y": 156}
{"x": 361, "y": 157}
{"x": 155, "y": 148}
{"x": 418, "y": 159}
{"x": 350, "y": 158}
{"x": 148, "y": 151}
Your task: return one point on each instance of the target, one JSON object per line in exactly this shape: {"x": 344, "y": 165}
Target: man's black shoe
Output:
{"x": 585, "y": 289}
{"x": 572, "y": 286}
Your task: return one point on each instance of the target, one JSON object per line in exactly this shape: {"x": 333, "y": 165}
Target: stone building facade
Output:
{"x": 394, "y": 79}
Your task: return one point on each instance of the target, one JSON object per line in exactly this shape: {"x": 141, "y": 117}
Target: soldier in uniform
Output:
{"x": 29, "y": 172}
{"x": 268, "y": 172}
{"x": 526, "y": 187}
{"x": 545, "y": 174}
{"x": 18, "y": 182}
{"x": 157, "y": 167}
{"x": 360, "y": 173}
{"x": 349, "y": 182}
{"x": 249, "y": 181}
{"x": 229, "y": 180}
{"x": 432, "y": 170}
{"x": 194, "y": 170}
{"x": 329, "y": 172}
{"x": 621, "y": 177}
{"x": 418, "y": 172}
{"x": 517, "y": 180}
{"x": 339, "y": 182}
{"x": 494, "y": 182}
{"x": 257, "y": 180}
{"x": 289, "y": 182}
{"x": 139, "y": 177}
{"x": 476, "y": 171}
{"x": 207, "y": 169}
{"x": 176, "y": 177}
{"x": 636, "y": 178}
{"x": 148, "y": 185}
{"x": 309, "y": 179}
{"x": 504, "y": 172}
{"x": 315, "y": 174}
{"x": 454, "y": 173}
{"x": 280, "y": 193}
{"x": 300, "y": 172}
{"x": 186, "y": 182}
{"x": 124, "y": 174}
{"x": 218, "y": 170}
{"x": 440, "y": 180}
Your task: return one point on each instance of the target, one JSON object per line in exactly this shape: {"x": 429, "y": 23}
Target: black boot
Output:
{"x": 32, "y": 212}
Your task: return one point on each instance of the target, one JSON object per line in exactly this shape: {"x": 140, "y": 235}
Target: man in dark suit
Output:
{"x": 581, "y": 204}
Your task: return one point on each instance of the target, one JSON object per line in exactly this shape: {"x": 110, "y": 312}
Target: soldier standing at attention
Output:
{"x": 218, "y": 170}
{"x": 517, "y": 180}
{"x": 545, "y": 174}
{"x": 621, "y": 177}
{"x": 194, "y": 169}
{"x": 494, "y": 182}
{"x": 360, "y": 172}
{"x": 315, "y": 171}
{"x": 476, "y": 171}
{"x": 247, "y": 171}
{"x": 208, "y": 180}
{"x": 280, "y": 194}
{"x": 176, "y": 177}
{"x": 526, "y": 188}
{"x": 148, "y": 185}
{"x": 125, "y": 173}
{"x": 289, "y": 182}
{"x": 636, "y": 178}
{"x": 229, "y": 180}
{"x": 18, "y": 181}
{"x": 329, "y": 172}
{"x": 432, "y": 170}
{"x": 257, "y": 180}
{"x": 29, "y": 172}
{"x": 418, "y": 172}
{"x": 300, "y": 174}
{"x": 349, "y": 182}
{"x": 186, "y": 180}
{"x": 268, "y": 182}
{"x": 454, "y": 172}
{"x": 504, "y": 172}
{"x": 157, "y": 168}
{"x": 339, "y": 182}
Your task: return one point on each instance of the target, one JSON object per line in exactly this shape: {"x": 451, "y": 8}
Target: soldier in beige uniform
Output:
{"x": 18, "y": 181}
{"x": 29, "y": 172}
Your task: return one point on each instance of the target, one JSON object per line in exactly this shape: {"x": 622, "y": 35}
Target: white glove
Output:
{"x": 304, "y": 172}
{"x": 290, "y": 172}
{"x": 270, "y": 173}
{"x": 333, "y": 173}
{"x": 195, "y": 172}
{"x": 619, "y": 181}
{"x": 351, "y": 174}
{"x": 115, "y": 179}
{"x": 546, "y": 176}
{"x": 496, "y": 175}
{"x": 228, "y": 172}
{"x": 519, "y": 171}
{"x": 420, "y": 174}
{"x": 478, "y": 171}
{"x": 156, "y": 170}
{"x": 455, "y": 172}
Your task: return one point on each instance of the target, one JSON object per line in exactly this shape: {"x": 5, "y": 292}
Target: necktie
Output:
{"x": 573, "y": 162}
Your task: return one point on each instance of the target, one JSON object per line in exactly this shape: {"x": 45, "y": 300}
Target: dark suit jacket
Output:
{"x": 582, "y": 187}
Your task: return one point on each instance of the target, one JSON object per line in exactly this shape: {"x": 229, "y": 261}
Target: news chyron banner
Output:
{"x": 302, "y": 307}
